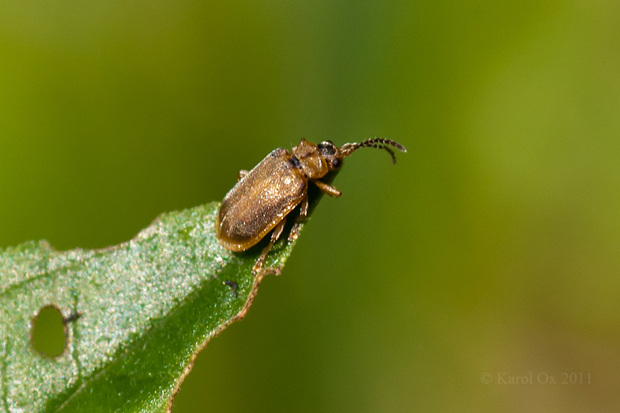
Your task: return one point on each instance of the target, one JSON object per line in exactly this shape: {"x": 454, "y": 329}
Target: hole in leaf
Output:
{"x": 48, "y": 332}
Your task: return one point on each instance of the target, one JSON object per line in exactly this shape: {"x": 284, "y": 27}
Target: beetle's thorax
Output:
{"x": 309, "y": 160}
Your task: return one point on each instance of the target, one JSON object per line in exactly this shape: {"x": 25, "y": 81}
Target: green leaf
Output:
{"x": 146, "y": 308}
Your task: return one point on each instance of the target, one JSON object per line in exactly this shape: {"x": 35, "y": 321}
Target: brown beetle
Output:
{"x": 263, "y": 197}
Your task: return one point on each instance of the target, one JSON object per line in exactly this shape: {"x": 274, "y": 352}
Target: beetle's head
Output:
{"x": 331, "y": 154}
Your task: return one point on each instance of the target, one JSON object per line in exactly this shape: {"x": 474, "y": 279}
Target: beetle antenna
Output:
{"x": 378, "y": 143}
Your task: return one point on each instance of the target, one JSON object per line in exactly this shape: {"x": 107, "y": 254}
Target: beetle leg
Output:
{"x": 328, "y": 189}
{"x": 241, "y": 174}
{"x": 277, "y": 231}
{"x": 303, "y": 212}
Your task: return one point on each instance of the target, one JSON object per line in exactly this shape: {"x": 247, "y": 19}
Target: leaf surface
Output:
{"x": 146, "y": 307}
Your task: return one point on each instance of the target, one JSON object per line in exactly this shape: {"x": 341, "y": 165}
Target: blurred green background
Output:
{"x": 490, "y": 250}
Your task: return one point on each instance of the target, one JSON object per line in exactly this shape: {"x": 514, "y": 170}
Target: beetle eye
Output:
{"x": 336, "y": 163}
{"x": 327, "y": 148}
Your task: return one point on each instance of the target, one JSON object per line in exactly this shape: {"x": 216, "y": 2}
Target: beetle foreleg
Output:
{"x": 328, "y": 189}
{"x": 303, "y": 212}
{"x": 277, "y": 231}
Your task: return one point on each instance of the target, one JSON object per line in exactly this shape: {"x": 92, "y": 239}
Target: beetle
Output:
{"x": 263, "y": 198}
